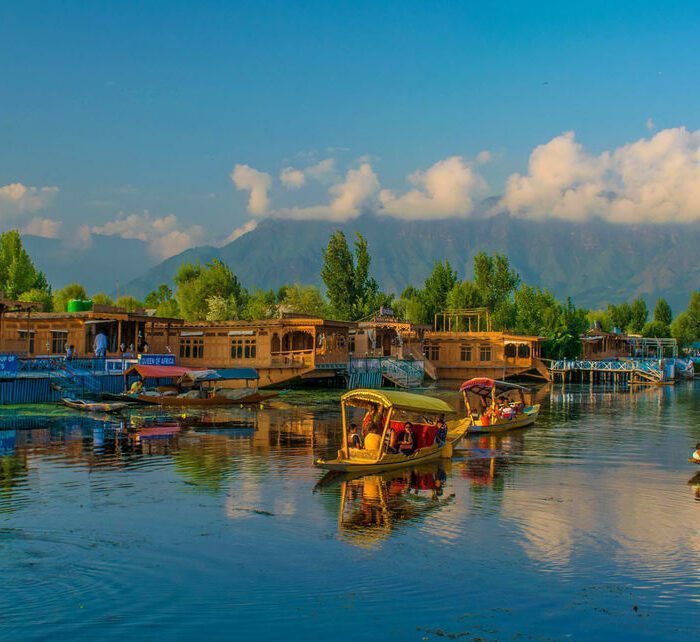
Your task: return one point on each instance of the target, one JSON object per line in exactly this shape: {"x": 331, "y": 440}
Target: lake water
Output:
{"x": 586, "y": 526}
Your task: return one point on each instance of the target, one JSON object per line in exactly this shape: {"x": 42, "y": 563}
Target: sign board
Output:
{"x": 8, "y": 365}
{"x": 157, "y": 359}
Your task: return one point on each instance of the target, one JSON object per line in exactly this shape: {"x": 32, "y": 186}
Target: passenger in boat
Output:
{"x": 441, "y": 434}
{"x": 486, "y": 417}
{"x": 406, "y": 441}
{"x": 696, "y": 453}
{"x": 507, "y": 412}
{"x": 354, "y": 440}
{"x": 373, "y": 439}
{"x": 368, "y": 421}
{"x": 136, "y": 387}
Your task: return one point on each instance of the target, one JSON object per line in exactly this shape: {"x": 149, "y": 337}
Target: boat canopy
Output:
{"x": 483, "y": 386}
{"x": 397, "y": 399}
{"x": 158, "y": 372}
{"x": 196, "y": 376}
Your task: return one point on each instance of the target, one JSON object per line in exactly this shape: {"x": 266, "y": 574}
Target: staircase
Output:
{"x": 428, "y": 366}
{"x": 72, "y": 381}
{"x": 372, "y": 371}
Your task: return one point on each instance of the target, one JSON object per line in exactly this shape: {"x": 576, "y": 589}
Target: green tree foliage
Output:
{"x": 537, "y": 312}
{"x": 602, "y": 317}
{"x": 620, "y": 315}
{"x": 656, "y": 329}
{"x": 638, "y": 316}
{"x": 686, "y": 326}
{"x": 437, "y": 287}
{"x": 464, "y": 295}
{"x": 200, "y": 290}
{"x": 494, "y": 279}
{"x": 662, "y": 312}
{"x": 304, "y": 299}
{"x": 102, "y": 299}
{"x": 352, "y": 293}
{"x": 35, "y": 295}
{"x": 62, "y": 296}
{"x": 262, "y": 304}
{"x": 163, "y": 300}
{"x": 564, "y": 340}
{"x": 17, "y": 271}
{"x": 129, "y": 303}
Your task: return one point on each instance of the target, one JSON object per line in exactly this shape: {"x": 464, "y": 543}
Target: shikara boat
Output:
{"x": 492, "y": 406}
{"x": 94, "y": 406}
{"x": 191, "y": 387}
{"x": 389, "y": 411}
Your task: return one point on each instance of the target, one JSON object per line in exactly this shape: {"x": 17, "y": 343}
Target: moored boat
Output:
{"x": 492, "y": 406}
{"x": 94, "y": 406}
{"x": 399, "y": 429}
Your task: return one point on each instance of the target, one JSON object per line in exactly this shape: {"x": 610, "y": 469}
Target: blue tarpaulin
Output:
{"x": 238, "y": 373}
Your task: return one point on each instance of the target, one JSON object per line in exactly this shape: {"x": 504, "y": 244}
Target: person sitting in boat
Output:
{"x": 368, "y": 421}
{"x": 406, "y": 441}
{"x": 696, "y": 452}
{"x": 441, "y": 434}
{"x": 507, "y": 412}
{"x": 373, "y": 439}
{"x": 486, "y": 417}
{"x": 354, "y": 440}
{"x": 136, "y": 387}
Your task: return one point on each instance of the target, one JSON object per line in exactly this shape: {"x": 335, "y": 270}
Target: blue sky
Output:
{"x": 127, "y": 107}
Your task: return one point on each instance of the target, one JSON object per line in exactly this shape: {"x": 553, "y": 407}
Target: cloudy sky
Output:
{"x": 186, "y": 123}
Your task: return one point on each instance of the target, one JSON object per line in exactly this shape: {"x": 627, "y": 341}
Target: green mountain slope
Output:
{"x": 593, "y": 262}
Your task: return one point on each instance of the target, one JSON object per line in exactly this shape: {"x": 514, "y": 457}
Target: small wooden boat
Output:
{"x": 389, "y": 412}
{"x": 94, "y": 406}
{"x": 491, "y": 407}
{"x": 692, "y": 460}
{"x": 206, "y": 398}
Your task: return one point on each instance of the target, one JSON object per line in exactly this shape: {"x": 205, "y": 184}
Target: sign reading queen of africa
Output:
{"x": 157, "y": 359}
{"x": 8, "y": 365}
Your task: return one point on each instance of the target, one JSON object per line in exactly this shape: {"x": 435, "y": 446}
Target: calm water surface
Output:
{"x": 586, "y": 526}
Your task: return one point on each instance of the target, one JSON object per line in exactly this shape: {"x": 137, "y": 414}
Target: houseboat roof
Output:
{"x": 398, "y": 400}
{"x": 271, "y": 323}
{"x": 96, "y": 315}
{"x": 159, "y": 372}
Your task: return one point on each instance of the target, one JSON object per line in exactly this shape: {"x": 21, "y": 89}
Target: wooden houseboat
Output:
{"x": 281, "y": 350}
{"x": 462, "y": 345}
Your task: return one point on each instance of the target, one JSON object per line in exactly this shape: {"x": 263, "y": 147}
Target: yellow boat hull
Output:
{"x": 388, "y": 460}
{"x": 502, "y": 425}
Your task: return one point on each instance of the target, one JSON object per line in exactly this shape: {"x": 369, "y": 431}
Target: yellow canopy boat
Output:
{"x": 399, "y": 429}
{"x": 491, "y": 406}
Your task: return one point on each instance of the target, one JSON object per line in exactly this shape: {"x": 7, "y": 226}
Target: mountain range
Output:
{"x": 594, "y": 262}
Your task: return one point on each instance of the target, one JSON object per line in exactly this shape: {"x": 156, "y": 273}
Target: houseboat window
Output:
{"x": 191, "y": 348}
{"x": 58, "y": 342}
{"x": 523, "y": 351}
{"x": 485, "y": 353}
{"x": 510, "y": 350}
{"x": 432, "y": 352}
{"x": 243, "y": 348}
{"x": 465, "y": 353}
{"x": 351, "y": 344}
{"x": 27, "y": 336}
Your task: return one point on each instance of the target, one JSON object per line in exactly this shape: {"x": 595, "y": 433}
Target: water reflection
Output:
{"x": 372, "y": 506}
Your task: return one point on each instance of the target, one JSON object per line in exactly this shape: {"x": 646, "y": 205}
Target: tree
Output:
{"x": 620, "y": 315}
{"x": 656, "y": 329}
{"x": 352, "y": 292}
{"x": 159, "y": 296}
{"x": 197, "y": 284}
{"x": 437, "y": 286}
{"x": 662, "y": 312}
{"x": 602, "y": 317}
{"x": 262, "y": 304}
{"x": 35, "y": 295}
{"x": 102, "y": 299}
{"x": 464, "y": 295}
{"x": 304, "y": 299}
{"x": 638, "y": 315}
{"x": 684, "y": 329}
{"x": 69, "y": 292}
{"x": 536, "y": 311}
{"x": 494, "y": 278}
{"x": 17, "y": 271}
{"x": 129, "y": 303}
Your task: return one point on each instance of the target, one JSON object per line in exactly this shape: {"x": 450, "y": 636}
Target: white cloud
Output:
{"x": 165, "y": 235}
{"x": 47, "y": 227}
{"x": 239, "y": 231}
{"x": 257, "y": 183}
{"x": 650, "y": 124}
{"x": 292, "y": 178}
{"x": 17, "y": 199}
{"x": 348, "y": 197}
{"x": 653, "y": 180}
{"x": 447, "y": 189}
{"x": 323, "y": 171}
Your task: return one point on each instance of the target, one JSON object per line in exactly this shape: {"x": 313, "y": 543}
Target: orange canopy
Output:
{"x": 159, "y": 372}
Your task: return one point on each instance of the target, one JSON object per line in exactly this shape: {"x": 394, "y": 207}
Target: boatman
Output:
{"x": 101, "y": 344}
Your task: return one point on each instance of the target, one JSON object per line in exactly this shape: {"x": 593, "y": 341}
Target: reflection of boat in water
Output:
{"x": 94, "y": 406}
{"x": 492, "y": 407}
{"x": 489, "y": 457}
{"x": 695, "y": 483}
{"x": 371, "y": 506}
{"x": 387, "y": 416}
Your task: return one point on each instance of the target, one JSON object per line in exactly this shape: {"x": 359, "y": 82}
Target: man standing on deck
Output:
{"x": 101, "y": 344}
